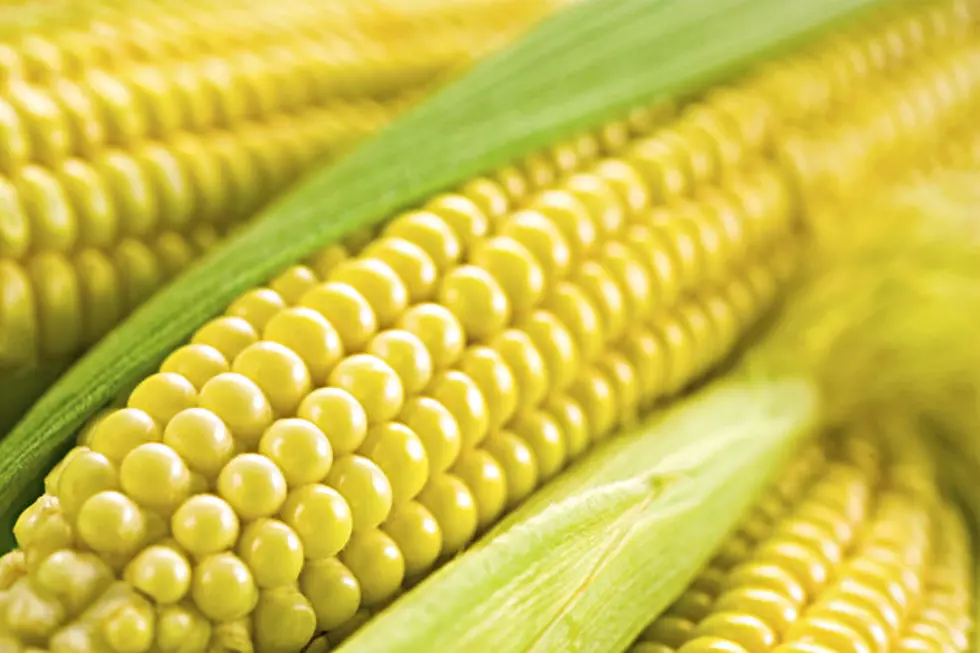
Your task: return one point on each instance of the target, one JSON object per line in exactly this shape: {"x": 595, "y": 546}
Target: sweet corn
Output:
{"x": 856, "y": 554}
{"x": 340, "y": 431}
{"x": 134, "y": 139}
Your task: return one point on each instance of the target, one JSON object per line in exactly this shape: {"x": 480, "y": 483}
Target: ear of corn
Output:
{"x": 136, "y": 136}
{"x": 859, "y": 556}
{"x": 189, "y": 509}
{"x": 352, "y": 195}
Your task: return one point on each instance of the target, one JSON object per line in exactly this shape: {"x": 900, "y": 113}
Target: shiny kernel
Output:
{"x": 515, "y": 270}
{"x": 557, "y": 348}
{"x": 606, "y": 296}
{"x": 748, "y": 631}
{"x": 365, "y": 488}
{"x": 626, "y": 182}
{"x": 418, "y": 536}
{"x": 332, "y": 590}
{"x": 161, "y": 573}
{"x": 681, "y": 236}
{"x": 618, "y": 370}
{"x": 439, "y": 329}
{"x": 596, "y": 395}
{"x": 545, "y": 242}
{"x": 569, "y": 303}
{"x": 452, "y": 505}
{"x": 377, "y": 283}
{"x": 604, "y": 205}
{"x": 830, "y": 633}
{"x": 775, "y": 610}
{"x": 196, "y": 363}
{"x": 293, "y": 283}
{"x": 463, "y": 216}
{"x": 272, "y": 551}
{"x": 517, "y": 460}
{"x": 377, "y": 563}
{"x": 240, "y": 404}
{"x": 78, "y": 579}
{"x": 681, "y": 352}
{"x": 346, "y": 310}
{"x": 646, "y": 352}
{"x": 49, "y": 213}
{"x": 476, "y": 299}
{"x": 229, "y": 335}
{"x": 572, "y": 423}
{"x": 431, "y": 233}
{"x": 668, "y": 630}
{"x": 299, "y": 449}
{"x": 223, "y": 587}
{"x": 526, "y": 364}
{"x": 513, "y": 182}
{"x": 542, "y": 433}
{"x": 155, "y": 476}
{"x": 111, "y": 523}
{"x": 399, "y": 453}
{"x": 871, "y": 627}
{"x": 161, "y": 396}
{"x": 57, "y": 325}
{"x": 253, "y": 485}
{"x": 410, "y": 262}
{"x": 373, "y": 383}
{"x": 463, "y": 399}
{"x": 122, "y": 431}
{"x": 437, "y": 429}
{"x": 139, "y": 271}
{"x": 257, "y": 307}
{"x": 489, "y": 197}
{"x": 484, "y": 477}
{"x": 307, "y": 334}
{"x": 488, "y": 370}
{"x": 338, "y": 415}
{"x": 538, "y": 170}
{"x": 283, "y": 621}
{"x": 86, "y": 474}
{"x": 407, "y": 355}
{"x": 320, "y": 517}
{"x": 572, "y": 217}
{"x": 278, "y": 371}
{"x": 806, "y": 566}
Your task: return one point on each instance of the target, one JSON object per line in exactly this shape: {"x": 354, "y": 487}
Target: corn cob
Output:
{"x": 593, "y": 307}
{"x": 846, "y": 562}
{"x": 133, "y": 139}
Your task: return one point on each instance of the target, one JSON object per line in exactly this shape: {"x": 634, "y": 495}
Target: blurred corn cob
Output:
{"x": 135, "y": 135}
{"x": 367, "y": 414}
{"x": 861, "y": 552}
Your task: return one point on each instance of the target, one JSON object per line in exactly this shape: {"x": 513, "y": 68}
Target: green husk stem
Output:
{"x": 578, "y": 69}
{"x": 592, "y": 558}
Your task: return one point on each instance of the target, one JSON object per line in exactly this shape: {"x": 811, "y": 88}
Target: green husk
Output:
{"x": 578, "y": 69}
{"x": 590, "y": 559}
